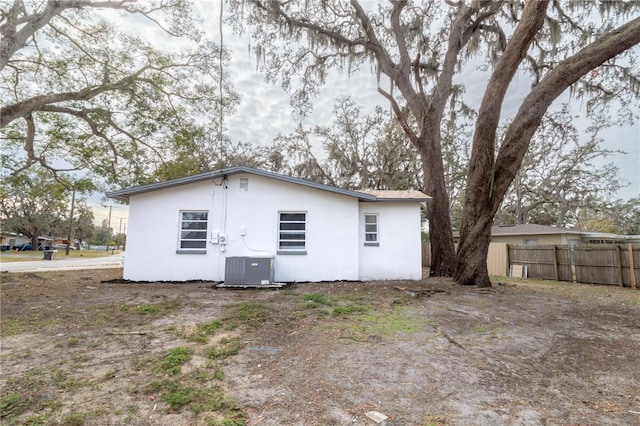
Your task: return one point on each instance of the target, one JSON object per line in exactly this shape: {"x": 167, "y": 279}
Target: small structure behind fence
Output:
{"x": 612, "y": 264}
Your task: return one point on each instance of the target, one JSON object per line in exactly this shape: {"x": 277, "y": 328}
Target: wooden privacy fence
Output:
{"x": 426, "y": 254}
{"x": 613, "y": 264}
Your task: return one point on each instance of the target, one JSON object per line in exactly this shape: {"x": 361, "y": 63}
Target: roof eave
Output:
{"x": 124, "y": 194}
{"x": 401, "y": 200}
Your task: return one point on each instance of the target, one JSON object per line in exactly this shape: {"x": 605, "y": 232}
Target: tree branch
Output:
{"x": 14, "y": 40}
{"x": 535, "y": 105}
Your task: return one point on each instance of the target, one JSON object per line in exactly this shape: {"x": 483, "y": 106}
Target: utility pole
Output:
{"x": 119, "y": 233}
{"x": 109, "y": 230}
{"x": 73, "y": 201}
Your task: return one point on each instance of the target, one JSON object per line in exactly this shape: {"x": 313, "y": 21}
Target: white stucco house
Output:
{"x": 246, "y": 225}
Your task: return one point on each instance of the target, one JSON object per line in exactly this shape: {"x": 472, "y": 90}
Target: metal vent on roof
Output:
{"x": 244, "y": 184}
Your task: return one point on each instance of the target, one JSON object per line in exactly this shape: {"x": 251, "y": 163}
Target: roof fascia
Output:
{"x": 124, "y": 194}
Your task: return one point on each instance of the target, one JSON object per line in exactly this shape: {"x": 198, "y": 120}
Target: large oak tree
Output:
{"x": 417, "y": 49}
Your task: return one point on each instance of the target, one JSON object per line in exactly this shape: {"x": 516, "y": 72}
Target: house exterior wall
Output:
{"x": 154, "y": 220}
{"x": 331, "y": 228}
{"x": 398, "y": 255}
{"x": 153, "y": 232}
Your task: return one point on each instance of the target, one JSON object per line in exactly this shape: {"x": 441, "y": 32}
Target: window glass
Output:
{"x": 370, "y": 228}
{"x": 292, "y": 231}
{"x": 193, "y": 230}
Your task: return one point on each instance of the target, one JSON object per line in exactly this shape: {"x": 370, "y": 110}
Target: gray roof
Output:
{"x": 124, "y": 194}
{"x": 532, "y": 229}
{"x": 387, "y": 195}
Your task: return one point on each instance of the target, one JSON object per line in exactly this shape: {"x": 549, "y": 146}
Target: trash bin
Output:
{"x": 49, "y": 254}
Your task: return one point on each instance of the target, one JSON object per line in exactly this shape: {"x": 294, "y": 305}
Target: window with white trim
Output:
{"x": 371, "y": 230}
{"x": 193, "y": 231}
{"x": 292, "y": 232}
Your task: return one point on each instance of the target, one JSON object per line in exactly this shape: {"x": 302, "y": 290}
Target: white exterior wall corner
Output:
{"x": 250, "y": 223}
{"x": 399, "y": 253}
{"x": 153, "y": 233}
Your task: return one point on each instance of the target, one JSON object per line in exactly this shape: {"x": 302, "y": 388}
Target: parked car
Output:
{"x": 23, "y": 246}
{"x": 26, "y": 246}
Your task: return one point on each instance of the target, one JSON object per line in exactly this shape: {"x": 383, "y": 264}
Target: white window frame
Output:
{"x": 182, "y": 231}
{"x": 376, "y": 233}
{"x": 288, "y": 249}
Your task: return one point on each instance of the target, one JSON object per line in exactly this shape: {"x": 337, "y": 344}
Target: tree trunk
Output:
{"x": 479, "y": 204}
{"x": 471, "y": 260}
{"x": 489, "y": 180}
{"x": 440, "y": 232}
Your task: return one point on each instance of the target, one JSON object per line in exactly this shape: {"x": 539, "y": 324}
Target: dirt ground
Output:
{"x": 82, "y": 348}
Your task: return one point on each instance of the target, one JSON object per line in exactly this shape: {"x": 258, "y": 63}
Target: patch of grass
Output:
{"x": 13, "y": 404}
{"x": 23, "y": 394}
{"x": 146, "y": 309}
{"x": 132, "y": 411}
{"x": 162, "y": 308}
{"x": 434, "y": 420}
{"x": 74, "y": 341}
{"x": 224, "y": 349}
{"x": 41, "y": 420}
{"x": 250, "y": 313}
{"x": 203, "y": 331}
{"x": 318, "y": 298}
{"x": 62, "y": 380}
{"x": 9, "y": 327}
{"x": 183, "y": 393}
{"x": 73, "y": 419}
{"x": 400, "y": 321}
{"x": 226, "y": 422}
{"x": 171, "y": 362}
{"x": 348, "y": 310}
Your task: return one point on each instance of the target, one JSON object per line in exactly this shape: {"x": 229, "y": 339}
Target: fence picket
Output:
{"x": 593, "y": 263}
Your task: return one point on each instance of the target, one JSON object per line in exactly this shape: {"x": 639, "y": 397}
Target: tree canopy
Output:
{"x": 34, "y": 204}
{"x": 85, "y": 87}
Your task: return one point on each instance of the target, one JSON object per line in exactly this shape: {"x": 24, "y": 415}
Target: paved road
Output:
{"x": 62, "y": 263}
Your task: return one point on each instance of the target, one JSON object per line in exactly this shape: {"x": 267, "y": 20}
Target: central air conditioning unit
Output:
{"x": 248, "y": 271}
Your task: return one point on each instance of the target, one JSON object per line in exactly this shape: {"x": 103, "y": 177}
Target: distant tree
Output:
{"x": 559, "y": 175}
{"x": 120, "y": 240}
{"x": 83, "y": 226}
{"x": 358, "y": 151}
{"x": 33, "y": 204}
{"x": 81, "y": 89}
{"x": 618, "y": 217}
{"x": 102, "y": 234}
{"x": 197, "y": 151}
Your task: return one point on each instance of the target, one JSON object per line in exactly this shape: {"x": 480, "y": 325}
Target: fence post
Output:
{"x": 619, "y": 261}
{"x": 572, "y": 265}
{"x": 555, "y": 262}
{"x": 632, "y": 268}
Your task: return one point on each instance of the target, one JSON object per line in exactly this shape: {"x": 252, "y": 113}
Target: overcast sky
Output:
{"x": 264, "y": 109}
